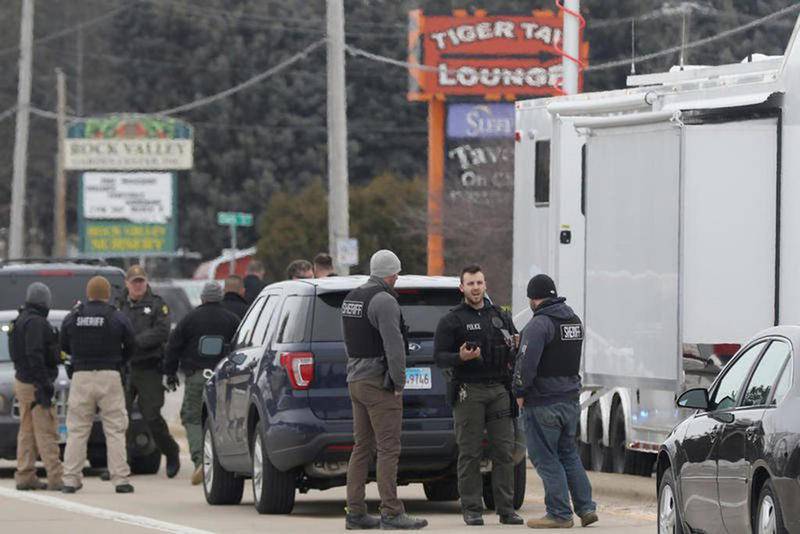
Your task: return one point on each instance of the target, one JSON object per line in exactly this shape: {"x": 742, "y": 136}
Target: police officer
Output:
{"x": 33, "y": 345}
{"x": 100, "y": 340}
{"x": 208, "y": 319}
{"x": 149, "y": 316}
{"x": 547, "y": 386}
{"x": 475, "y": 342}
{"x": 376, "y": 375}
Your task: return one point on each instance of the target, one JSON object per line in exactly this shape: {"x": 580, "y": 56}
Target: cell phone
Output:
{"x": 471, "y": 345}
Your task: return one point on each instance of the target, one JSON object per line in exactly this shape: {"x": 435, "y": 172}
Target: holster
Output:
{"x": 452, "y": 392}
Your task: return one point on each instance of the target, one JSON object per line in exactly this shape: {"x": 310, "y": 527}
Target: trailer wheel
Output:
{"x": 622, "y": 459}
{"x": 584, "y": 451}
{"x": 598, "y": 454}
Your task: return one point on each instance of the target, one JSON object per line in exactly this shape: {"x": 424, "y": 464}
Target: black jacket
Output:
{"x": 235, "y": 304}
{"x": 464, "y": 323}
{"x": 117, "y": 346}
{"x": 150, "y": 319}
{"x": 33, "y": 345}
{"x": 209, "y": 319}
{"x": 252, "y": 287}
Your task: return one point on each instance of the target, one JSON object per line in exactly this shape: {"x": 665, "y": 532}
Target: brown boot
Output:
{"x": 550, "y": 522}
{"x": 588, "y": 518}
{"x": 197, "y": 476}
{"x": 34, "y": 484}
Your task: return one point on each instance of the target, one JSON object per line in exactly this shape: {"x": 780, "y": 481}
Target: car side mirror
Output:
{"x": 723, "y": 417}
{"x": 211, "y": 346}
{"x": 695, "y": 398}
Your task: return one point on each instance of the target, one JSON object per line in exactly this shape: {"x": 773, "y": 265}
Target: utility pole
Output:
{"x": 338, "y": 209}
{"x": 79, "y": 75}
{"x": 16, "y": 248}
{"x": 571, "y": 46}
{"x": 60, "y": 210}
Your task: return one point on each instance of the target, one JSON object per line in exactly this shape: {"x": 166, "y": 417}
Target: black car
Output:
{"x": 277, "y": 409}
{"x": 67, "y": 279}
{"x": 734, "y": 465}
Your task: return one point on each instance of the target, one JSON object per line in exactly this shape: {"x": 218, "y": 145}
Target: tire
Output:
{"x": 645, "y": 462}
{"x": 622, "y": 459}
{"x": 598, "y": 454}
{"x": 273, "y": 490}
{"x": 520, "y": 479}
{"x": 441, "y": 490}
{"x": 669, "y": 512}
{"x": 769, "y": 517}
{"x": 219, "y": 486}
{"x": 98, "y": 459}
{"x": 147, "y": 464}
{"x": 584, "y": 451}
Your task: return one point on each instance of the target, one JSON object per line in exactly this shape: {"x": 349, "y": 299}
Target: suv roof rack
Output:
{"x": 82, "y": 261}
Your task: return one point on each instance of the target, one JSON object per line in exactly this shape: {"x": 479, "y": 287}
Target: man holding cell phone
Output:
{"x": 476, "y": 343}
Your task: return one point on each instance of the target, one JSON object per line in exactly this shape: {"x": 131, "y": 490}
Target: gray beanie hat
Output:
{"x": 384, "y": 263}
{"x": 38, "y": 294}
{"x": 212, "y": 292}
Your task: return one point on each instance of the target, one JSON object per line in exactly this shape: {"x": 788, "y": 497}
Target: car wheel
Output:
{"x": 622, "y": 459}
{"x": 98, "y": 459}
{"x": 146, "y": 464}
{"x": 598, "y": 453}
{"x": 219, "y": 486}
{"x": 273, "y": 490}
{"x": 441, "y": 490}
{"x": 669, "y": 517}
{"x": 520, "y": 477}
{"x": 769, "y": 519}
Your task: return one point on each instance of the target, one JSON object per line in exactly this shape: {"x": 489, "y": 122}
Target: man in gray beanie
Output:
{"x": 374, "y": 336}
{"x": 34, "y": 350}
{"x": 208, "y": 319}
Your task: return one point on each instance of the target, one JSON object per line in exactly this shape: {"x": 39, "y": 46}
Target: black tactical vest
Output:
{"x": 93, "y": 337}
{"x": 496, "y": 363}
{"x": 361, "y": 338}
{"x": 562, "y": 356}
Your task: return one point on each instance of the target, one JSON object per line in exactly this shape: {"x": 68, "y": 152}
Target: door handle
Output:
{"x": 753, "y": 430}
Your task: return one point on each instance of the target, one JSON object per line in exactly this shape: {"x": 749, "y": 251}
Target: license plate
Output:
{"x": 418, "y": 378}
{"x": 62, "y": 433}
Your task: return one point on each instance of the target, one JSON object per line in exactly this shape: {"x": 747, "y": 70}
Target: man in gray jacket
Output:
{"x": 376, "y": 374}
{"x": 547, "y": 385}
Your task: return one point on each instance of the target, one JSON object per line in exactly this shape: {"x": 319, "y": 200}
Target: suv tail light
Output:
{"x": 300, "y": 368}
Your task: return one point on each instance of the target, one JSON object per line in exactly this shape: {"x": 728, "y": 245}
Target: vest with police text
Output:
{"x": 361, "y": 338}
{"x": 562, "y": 356}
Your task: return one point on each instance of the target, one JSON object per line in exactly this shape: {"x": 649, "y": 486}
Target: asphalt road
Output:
{"x": 163, "y": 505}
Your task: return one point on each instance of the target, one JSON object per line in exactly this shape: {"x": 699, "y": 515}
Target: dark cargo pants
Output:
{"x": 377, "y": 423}
{"x": 486, "y": 406}
{"x": 145, "y": 387}
{"x": 192, "y": 414}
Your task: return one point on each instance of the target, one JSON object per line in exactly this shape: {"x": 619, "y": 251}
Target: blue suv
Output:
{"x": 277, "y": 410}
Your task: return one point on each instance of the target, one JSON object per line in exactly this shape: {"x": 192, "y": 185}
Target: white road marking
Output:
{"x": 101, "y": 513}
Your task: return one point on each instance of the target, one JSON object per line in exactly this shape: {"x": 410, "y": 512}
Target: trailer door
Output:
{"x": 729, "y": 226}
{"x": 632, "y": 254}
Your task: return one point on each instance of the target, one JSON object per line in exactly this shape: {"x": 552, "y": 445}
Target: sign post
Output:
{"x": 232, "y": 220}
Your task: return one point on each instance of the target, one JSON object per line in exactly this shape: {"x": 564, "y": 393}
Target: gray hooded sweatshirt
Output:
{"x": 540, "y": 330}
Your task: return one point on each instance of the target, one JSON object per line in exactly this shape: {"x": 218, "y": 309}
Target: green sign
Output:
{"x": 230, "y": 218}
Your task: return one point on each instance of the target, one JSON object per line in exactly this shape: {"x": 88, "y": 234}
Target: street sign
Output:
{"x": 347, "y": 251}
{"x": 230, "y": 218}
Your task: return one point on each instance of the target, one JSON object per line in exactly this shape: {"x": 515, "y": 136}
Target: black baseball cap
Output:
{"x": 541, "y": 286}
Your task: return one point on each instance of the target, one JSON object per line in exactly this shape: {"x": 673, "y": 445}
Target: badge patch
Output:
{"x": 147, "y": 310}
{"x": 571, "y": 332}
{"x": 353, "y": 308}
{"x": 165, "y": 309}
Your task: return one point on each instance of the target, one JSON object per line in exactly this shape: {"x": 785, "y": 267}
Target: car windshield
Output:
{"x": 66, "y": 286}
{"x": 422, "y": 309}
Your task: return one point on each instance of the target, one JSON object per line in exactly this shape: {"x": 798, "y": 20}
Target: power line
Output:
{"x": 694, "y": 44}
{"x": 247, "y": 83}
{"x": 70, "y": 29}
{"x": 7, "y": 113}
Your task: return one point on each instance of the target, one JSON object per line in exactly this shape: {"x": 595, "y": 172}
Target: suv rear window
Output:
{"x": 66, "y": 286}
{"x": 422, "y": 309}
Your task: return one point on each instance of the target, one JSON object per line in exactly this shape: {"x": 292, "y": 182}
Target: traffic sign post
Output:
{"x": 232, "y": 220}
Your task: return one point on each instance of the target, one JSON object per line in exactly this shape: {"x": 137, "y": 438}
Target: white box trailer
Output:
{"x": 669, "y": 215}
